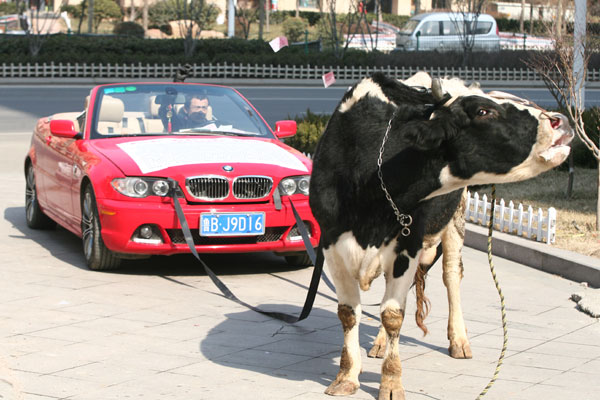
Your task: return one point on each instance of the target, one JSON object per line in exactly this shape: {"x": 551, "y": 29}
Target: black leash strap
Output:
{"x": 176, "y": 194}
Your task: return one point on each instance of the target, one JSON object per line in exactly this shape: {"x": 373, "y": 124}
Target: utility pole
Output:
{"x": 579, "y": 49}
{"x": 231, "y": 19}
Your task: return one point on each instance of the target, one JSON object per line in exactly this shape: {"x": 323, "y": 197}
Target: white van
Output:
{"x": 445, "y": 31}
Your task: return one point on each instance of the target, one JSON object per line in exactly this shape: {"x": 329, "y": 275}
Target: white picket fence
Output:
{"x": 517, "y": 221}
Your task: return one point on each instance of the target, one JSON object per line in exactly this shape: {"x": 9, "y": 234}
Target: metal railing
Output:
{"x": 260, "y": 71}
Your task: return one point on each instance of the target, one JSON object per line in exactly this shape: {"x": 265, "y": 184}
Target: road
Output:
{"x": 22, "y": 105}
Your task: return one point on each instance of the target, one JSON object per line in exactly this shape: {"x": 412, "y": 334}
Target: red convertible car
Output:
{"x": 107, "y": 174}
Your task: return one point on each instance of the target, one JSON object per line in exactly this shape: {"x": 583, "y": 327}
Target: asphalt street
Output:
{"x": 22, "y": 105}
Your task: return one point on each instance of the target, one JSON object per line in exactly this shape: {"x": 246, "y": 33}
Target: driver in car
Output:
{"x": 194, "y": 114}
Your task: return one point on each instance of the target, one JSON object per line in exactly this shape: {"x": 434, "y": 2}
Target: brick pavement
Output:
{"x": 158, "y": 329}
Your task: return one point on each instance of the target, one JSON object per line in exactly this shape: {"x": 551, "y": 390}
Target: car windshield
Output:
{"x": 409, "y": 26}
{"x": 174, "y": 109}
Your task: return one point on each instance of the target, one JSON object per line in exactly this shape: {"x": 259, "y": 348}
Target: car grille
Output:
{"x": 252, "y": 187}
{"x": 208, "y": 187}
{"x": 212, "y": 187}
{"x": 272, "y": 234}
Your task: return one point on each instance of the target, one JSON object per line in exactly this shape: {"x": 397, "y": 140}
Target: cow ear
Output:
{"x": 430, "y": 134}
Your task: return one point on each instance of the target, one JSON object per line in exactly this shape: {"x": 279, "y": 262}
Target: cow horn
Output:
{"x": 436, "y": 89}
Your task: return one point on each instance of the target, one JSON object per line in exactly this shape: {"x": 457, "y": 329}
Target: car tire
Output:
{"x": 298, "y": 259}
{"x": 35, "y": 217}
{"x": 97, "y": 256}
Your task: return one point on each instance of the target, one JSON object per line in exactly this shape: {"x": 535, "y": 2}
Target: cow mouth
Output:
{"x": 562, "y": 135}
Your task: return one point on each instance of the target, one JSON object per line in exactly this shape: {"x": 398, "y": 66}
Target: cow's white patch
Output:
{"x": 157, "y": 154}
{"x": 362, "y": 265}
{"x": 397, "y": 289}
{"x": 421, "y": 78}
{"x": 365, "y": 88}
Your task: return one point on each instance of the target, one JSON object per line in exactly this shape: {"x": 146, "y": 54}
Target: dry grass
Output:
{"x": 576, "y": 216}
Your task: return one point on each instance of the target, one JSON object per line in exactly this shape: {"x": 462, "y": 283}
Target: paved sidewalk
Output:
{"x": 159, "y": 329}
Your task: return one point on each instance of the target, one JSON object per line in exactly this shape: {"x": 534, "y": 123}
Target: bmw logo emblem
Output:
{"x": 227, "y": 168}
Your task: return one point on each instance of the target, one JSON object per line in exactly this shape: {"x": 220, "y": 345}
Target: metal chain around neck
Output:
{"x": 403, "y": 219}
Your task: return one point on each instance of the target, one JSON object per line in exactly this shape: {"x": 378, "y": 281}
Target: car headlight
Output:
{"x": 141, "y": 187}
{"x": 294, "y": 185}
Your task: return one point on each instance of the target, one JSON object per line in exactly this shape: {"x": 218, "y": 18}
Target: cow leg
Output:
{"x": 393, "y": 306}
{"x": 378, "y": 349}
{"x": 349, "y": 311}
{"x": 452, "y": 243}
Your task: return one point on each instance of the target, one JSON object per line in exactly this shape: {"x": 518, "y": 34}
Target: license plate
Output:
{"x": 232, "y": 224}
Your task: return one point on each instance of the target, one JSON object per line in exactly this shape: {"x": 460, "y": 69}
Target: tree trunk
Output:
{"x": 522, "y": 17}
{"x": 598, "y": 200}
{"x": 145, "y": 16}
{"x": 297, "y": 8}
{"x": 558, "y": 18}
{"x": 530, "y": 19}
{"x": 571, "y": 176}
{"x": 267, "y": 14}
{"x": 261, "y": 18}
{"x": 90, "y": 15}
{"x": 132, "y": 13}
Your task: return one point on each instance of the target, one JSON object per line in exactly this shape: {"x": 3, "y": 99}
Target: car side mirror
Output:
{"x": 64, "y": 128}
{"x": 285, "y": 128}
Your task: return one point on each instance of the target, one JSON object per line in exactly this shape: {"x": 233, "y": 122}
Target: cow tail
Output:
{"x": 423, "y": 303}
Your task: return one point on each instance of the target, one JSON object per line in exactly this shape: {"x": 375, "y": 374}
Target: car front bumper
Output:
{"x": 121, "y": 219}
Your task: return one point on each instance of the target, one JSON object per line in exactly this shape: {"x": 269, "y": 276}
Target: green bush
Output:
{"x": 163, "y": 11}
{"x": 10, "y": 8}
{"x": 294, "y": 29}
{"x": 310, "y": 129}
{"x": 397, "y": 20}
{"x": 129, "y": 28}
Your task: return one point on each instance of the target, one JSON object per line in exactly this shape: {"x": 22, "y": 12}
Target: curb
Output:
{"x": 564, "y": 263}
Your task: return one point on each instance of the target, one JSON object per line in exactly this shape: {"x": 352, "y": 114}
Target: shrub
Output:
{"x": 294, "y": 29}
{"x": 310, "y": 129}
{"x": 129, "y": 28}
{"x": 396, "y": 20}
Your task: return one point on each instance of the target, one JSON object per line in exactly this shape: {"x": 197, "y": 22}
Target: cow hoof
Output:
{"x": 342, "y": 388}
{"x": 393, "y": 393}
{"x": 457, "y": 350}
{"x": 377, "y": 351}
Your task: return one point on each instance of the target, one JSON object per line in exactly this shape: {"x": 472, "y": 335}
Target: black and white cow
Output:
{"x": 434, "y": 148}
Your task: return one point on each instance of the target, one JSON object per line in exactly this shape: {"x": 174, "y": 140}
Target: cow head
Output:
{"x": 492, "y": 138}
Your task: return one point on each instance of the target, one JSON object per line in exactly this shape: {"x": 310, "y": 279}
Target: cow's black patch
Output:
{"x": 400, "y": 265}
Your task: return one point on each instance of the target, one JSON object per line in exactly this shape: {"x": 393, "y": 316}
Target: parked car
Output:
{"x": 106, "y": 174}
{"x": 444, "y": 31}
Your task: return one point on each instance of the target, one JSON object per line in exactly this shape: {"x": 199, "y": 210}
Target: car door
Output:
{"x": 55, "y": 159}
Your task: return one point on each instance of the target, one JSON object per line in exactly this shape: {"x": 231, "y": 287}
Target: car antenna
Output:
{"x": 183, "y": 72}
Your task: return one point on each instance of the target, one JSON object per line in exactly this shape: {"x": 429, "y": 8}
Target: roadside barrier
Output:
{"x": 261, "y": 71}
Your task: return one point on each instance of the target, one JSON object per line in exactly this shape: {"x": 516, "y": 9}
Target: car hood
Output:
{"x": 185, "y": 156}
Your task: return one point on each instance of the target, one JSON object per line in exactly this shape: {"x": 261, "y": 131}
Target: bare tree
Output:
{"x": 193, "y": 16}
{"x": 522, "y": 16}
{"x": 38, "y": 25}
{"x": 334, "y": 28}
{"x": 246, "y": 14}
{"x": 465, "y": 21}
{"x": 557, "y": 71}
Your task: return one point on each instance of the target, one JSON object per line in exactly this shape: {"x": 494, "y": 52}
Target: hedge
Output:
{"x": 131, "y": 50}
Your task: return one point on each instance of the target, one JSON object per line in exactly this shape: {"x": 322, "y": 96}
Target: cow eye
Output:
{"x": 482, "y": 112}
